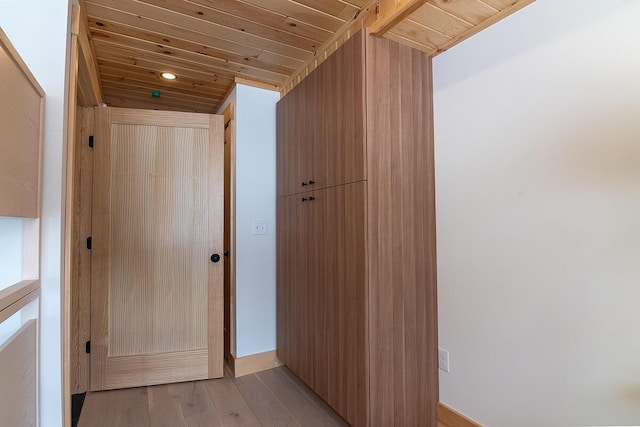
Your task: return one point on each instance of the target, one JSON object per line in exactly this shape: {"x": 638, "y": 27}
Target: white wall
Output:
{"x": 255, "y": 200}
{"x": 537, "y": 130}
{"x": 38, "y": 30}
{"x": 255, "y": 304}
{"x": 11, "y": 231}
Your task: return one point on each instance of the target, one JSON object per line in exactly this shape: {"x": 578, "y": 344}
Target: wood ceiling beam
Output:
{"x": 391, "y": 12}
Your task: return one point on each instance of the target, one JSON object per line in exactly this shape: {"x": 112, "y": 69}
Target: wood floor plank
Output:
{"x": 194, "y": 398}
{"x": 301, "y": 407}
{"x": 264, "y": 404}
{"x": 99, "y": 409}
{"x": 274, "y": 398}
{"x": 133, "y": 417}
{"x": 204, "y": 419}
{"x": 164, "y": 407}
{"x": 132, "y": 408}
{"x": 313, "y": 396}
{"x": 231, "y": 407}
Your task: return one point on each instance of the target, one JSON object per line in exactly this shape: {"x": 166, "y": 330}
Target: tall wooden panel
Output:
{"x": 346, "y": 151}
{"x": 340, "y": 314}
{"x": 401, "y": 230}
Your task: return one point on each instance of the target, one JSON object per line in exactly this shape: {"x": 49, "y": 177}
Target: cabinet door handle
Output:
{"x": 304, "y": 199}
{"x": 311, "y": 182}
{"x": 311, "y": 199}
{"x": 304, "y": 184}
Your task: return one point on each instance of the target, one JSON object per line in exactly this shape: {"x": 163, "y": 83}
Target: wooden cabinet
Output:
{"x": 321, "y": 125}
{"x": 356, "y": 259}
{"x": 321, "y": 293}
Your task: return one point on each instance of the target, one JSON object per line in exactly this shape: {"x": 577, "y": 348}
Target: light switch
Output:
{"x": 443, "y": 359}
{"x": 259, "y": 227}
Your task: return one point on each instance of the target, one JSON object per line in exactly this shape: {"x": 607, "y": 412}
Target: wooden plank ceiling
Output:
{"x": 208, "y": 44}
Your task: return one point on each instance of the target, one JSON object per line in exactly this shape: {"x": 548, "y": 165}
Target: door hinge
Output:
{"x": 90, "y": 141}
{"x": 87, "y": 347}
{"x": 89, "y": 242}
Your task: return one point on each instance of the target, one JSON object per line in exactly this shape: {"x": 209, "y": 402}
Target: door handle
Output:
{"x": 215, "y": 258}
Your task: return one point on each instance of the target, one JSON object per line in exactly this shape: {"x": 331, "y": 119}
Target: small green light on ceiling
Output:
{"x": 155, "y": 94}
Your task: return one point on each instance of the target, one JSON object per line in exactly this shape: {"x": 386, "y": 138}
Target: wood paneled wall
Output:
{"x": 18, "y": 376}
{"x": 401, "y": 230}
{"x": 21, "y": 120}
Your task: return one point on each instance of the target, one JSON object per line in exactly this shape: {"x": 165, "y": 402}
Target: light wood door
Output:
{"x": 157, "y": 296}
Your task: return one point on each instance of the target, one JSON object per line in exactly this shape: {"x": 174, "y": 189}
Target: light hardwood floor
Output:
{"x": 269, "y": 398}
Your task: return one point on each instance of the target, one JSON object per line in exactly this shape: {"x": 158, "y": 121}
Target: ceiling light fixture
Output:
{"x": 169, "y": 76}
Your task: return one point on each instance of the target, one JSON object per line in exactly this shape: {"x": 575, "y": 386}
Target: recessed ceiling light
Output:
{"x": 169, "y": 76}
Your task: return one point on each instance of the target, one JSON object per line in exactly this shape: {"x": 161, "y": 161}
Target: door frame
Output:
{"x": 229, "y": 230}
{"x": 83, "y": 90}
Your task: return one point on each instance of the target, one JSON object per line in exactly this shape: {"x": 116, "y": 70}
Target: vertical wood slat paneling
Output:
{"x": 18, "y": 376}
{"x": 158, "y": 185}
{"x": 401, "y": 229}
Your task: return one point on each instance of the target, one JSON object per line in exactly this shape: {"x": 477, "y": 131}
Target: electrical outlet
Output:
{"x": 259, "y": 227}
{"x": 443, "y": 360}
